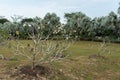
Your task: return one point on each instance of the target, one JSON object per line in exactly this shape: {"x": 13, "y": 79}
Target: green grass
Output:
{"x": 77, "y": 66}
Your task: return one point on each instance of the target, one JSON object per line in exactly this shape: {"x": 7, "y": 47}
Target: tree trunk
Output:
{"x": 33, "y": 62}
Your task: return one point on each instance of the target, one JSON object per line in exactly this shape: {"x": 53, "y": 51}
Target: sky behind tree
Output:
{"x": 32, "y": 8}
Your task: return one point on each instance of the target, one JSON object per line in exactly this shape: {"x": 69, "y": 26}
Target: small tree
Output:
{"x": 43, "y": 49}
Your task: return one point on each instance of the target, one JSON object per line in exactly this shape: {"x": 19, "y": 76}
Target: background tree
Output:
{"x": 51, "y": 22}
{"x": 3, "y": 20}
{"x": 77, "y": 23}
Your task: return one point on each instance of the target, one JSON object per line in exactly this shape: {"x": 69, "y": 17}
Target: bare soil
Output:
{"x": 27, "y": 73}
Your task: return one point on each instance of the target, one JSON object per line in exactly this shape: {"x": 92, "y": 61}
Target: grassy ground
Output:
{"x": 78, "y": 66}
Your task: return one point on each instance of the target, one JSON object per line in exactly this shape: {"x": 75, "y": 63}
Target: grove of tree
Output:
{"x": 78, "y": 26}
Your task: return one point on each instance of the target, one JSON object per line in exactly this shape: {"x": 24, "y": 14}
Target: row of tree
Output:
{"x": 77, "y": 26}
{"x": 83, "y": 27}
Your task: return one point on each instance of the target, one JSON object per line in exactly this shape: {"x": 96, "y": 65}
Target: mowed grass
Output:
{"x": 78, "y": 65}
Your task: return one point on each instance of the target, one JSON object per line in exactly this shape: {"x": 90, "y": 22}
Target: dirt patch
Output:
{"x": 27, "y": 73}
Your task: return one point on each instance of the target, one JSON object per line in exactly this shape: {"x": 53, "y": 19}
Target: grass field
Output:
{"x": 77, "y": 66}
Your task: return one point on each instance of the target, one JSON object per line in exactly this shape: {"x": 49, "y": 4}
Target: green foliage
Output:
{"x": 3, "y": 20}
{"x": 3, "y": 35}
{"x": 51, "y": 23}
{"x": 81, "y": 26}
{"x": 77, "y": 26}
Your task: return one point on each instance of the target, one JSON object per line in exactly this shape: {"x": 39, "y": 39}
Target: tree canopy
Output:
{"x": 78, "y": 26}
